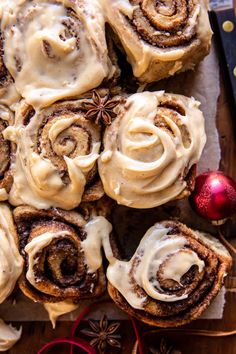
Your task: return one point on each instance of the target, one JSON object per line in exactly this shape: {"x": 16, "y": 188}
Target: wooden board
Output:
{"x": 37, "y": 333}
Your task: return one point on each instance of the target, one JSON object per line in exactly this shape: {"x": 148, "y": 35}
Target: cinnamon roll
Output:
{"x": 160, "y": 38}
{"x": 151, "y": 149}
{"x": 54, "y": 49}
{"x": 11, "y": 266}
{"x": 173, "y": 276}
{"x": 11, "y": 263}
{"x": 6, "y": 150}
{"x": 56, "y": 247}
{"x": 56, "y": 158}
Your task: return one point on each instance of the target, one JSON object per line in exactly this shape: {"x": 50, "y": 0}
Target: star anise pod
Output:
{"x": 102, "y": 334}
{"x": 165, "y": 348}
{"x": 101, "y": 108}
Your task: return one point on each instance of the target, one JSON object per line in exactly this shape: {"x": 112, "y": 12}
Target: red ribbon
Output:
{"x": 81, "y": 343}
{"x": 78, "y": 342}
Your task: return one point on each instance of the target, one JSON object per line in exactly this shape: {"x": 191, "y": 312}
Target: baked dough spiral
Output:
{"x": 173, "y": 276}
{"x": 54, "y": 49}
{"x": 160, "y": 38}
{"x": 55, "y": 163}
{"x": 151, "y": 149}
{"x": 53, "y": 244}
{"x": 7, "y": 148}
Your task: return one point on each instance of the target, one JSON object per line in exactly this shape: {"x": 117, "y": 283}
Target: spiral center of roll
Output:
{"x": 177, "y": 266}
{"x": 166, "y": 265}
{"x": 74, "y": 141}
{"x": 62, "y": 260}
{"x": 165, "y": 23}
{"x": 64, "y": 135}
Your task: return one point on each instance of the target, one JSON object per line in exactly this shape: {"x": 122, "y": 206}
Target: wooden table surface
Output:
{"x": 35, "y": 334}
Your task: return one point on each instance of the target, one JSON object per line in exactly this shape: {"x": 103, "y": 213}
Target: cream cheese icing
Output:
{"x": 37, "y": 181}
{"x": 155, "y": 248}
{"x": 11, "y": 263}
{"x": 142, "y": 164}
{"x": 97, "y": 231}
{"x": 8, "y": 336}
{"x": 54, "y": 49}
{"x": 37, "y": 245}
{"x": 58, "y": 309}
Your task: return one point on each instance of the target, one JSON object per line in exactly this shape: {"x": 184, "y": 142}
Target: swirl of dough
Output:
{"x": 11, "y": 263}
{"x": 56, "y": 267}
{"x": 54, "y": 49}
{"x": 173, "y": 276}
{"x": 57, "y": 150}
{"x": 151, "y": 148}
{"x": 160, "y": 38}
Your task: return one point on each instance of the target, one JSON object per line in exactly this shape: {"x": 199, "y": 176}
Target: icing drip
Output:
{"x": 148, "y": 148}
{"x": 98, "y": 231}
{"x": 58, "y": 309}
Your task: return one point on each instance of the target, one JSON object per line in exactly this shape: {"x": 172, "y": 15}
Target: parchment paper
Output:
{"x": 203, "y": 84}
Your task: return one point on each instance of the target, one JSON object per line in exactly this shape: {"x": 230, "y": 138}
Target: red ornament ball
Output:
{"x": 214, "y": 196}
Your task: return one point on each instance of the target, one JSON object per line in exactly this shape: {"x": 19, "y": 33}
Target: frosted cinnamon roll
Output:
{"x": 11, "y": 262}
{"x": 56, "y": 246}
{"x": 54, "y": 49}
{"x": 151, "y": 149}
{"x": 160, "y": 38}
{"x": 173, "y": 276}
{"x": 11, "y": 266}
{"x": 6, "y": 150}
{"x": 56, "y": 158}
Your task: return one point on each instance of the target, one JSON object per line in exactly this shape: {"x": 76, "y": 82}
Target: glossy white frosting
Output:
{"x": 58, "y": 309}
{"x": 11, "y": 265}
{"x": 11, "y": 262}
{"x": 97, "y": 232}
{"x": 155, "y": 249}
{"x": 142, "y": 164}
{"x": 37, "y": 181}
{"x": 75, "y": 64}
{"x": 159, "y": 256}
{"x": 8, "y": 336}
{"x": 37, "y": 245}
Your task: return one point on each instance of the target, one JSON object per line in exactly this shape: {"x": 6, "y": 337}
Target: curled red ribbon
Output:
{"x": 78, "y": 342}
